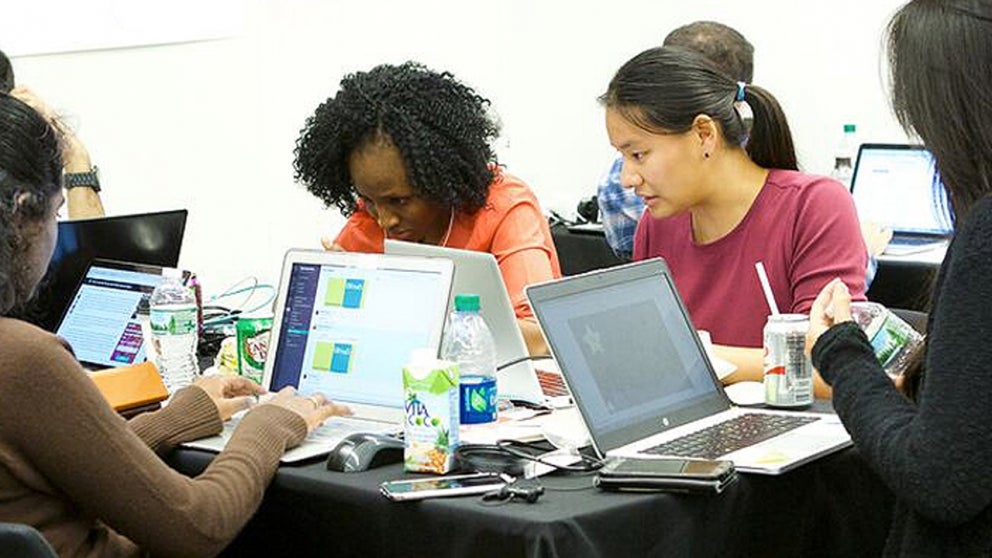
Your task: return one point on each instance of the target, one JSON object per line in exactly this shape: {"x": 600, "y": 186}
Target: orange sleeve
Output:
{"x": 361, "y": 234}
{"x": 525, "y": 252}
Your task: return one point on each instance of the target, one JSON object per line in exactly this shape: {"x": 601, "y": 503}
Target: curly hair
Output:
{"x": 441, "y": 128}
{"x": 30, "y": 174}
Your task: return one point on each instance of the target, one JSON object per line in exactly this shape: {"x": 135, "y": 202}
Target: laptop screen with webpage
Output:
{"x": 899, "y": 186}
{"x": 101, "y": 322}
{"x": 634, "y": 362}
{"x": 346, "y": 323}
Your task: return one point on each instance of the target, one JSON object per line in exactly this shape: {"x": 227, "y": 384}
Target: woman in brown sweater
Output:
{"x": 91, "y": 482}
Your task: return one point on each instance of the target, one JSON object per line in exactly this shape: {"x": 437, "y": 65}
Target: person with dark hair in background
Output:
{"x": 92, "y": 483}
{"x": 932, "y": 449}
{"x": 722, "y": 196}
{"x": 405, "y": 152}
{"x": 620, "y": 208}
{"x": 81, "y": 181}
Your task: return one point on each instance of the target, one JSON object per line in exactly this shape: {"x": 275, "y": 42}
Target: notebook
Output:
{"x": 147, "y": 238}
{"x": 640, "y": 377}
{"x": 345, "y": 324}
{"x": 101, "y": 321}
{"x": 478, "y": 273}
{"x": 898, "y": 186}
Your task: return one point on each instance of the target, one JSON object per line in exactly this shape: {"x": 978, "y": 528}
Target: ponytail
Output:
{"x": 770, "y": 142}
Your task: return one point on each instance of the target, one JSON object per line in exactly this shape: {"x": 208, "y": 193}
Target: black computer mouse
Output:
{"x": 363, "y": 451}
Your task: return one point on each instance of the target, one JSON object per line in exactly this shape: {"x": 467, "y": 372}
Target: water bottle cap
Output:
{"x": 467, "y": 303}
{"x": 850, "y": 128}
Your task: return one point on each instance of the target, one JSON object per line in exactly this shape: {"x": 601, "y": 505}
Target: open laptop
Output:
{"x": 640, "y": 377}
{"x": 345, "y": 325}
{"x": 147, "y": 238}
{"x": 478, "y": 273}
{"x": 102, "y": 320}
{"x": 898, "y": 186}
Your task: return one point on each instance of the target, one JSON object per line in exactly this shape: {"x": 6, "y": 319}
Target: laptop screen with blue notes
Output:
{"x": 348, "y": 330}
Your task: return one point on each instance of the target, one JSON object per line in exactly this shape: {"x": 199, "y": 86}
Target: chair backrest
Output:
{"x": 23, "y": 541}
{"x": 582, "y": 252}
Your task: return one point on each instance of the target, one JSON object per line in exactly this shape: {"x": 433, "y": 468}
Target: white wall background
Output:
{"x": 211, "y": 125}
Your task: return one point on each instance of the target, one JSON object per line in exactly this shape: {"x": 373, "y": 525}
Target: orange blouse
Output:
{"x": 510, "y": 226}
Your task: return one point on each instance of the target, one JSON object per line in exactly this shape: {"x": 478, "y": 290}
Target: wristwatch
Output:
{"x": 83, "y": 179}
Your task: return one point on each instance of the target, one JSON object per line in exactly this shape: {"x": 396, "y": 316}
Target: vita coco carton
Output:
{"x": 431, "y": 424}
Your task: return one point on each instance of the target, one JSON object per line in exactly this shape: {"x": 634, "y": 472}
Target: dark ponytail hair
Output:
{"x": 664, "y": 89}
{"x": 30, "y": 174}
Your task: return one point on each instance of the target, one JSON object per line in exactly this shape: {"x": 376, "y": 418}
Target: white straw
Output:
{"x": 766, "y": 286}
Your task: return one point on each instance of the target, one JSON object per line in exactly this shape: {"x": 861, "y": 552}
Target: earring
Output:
{"x": 706, "y": 155}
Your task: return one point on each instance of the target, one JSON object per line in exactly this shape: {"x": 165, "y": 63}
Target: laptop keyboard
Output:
{"x": 332, "y": 431}
{"x": 730, "y": 435}
{"x": 551, "y": 384}
{"x": 915, "y": 240}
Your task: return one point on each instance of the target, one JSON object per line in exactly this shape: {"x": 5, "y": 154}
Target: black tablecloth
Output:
{"x": 832, "y": 507}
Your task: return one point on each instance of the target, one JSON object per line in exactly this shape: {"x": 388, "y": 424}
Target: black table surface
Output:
{"x": 834, "y": 506}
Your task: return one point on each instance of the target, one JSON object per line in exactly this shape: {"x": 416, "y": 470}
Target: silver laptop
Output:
{"x": 478, "y": 273}
{"x": 643, "y": 385}
{"x": 345, "y": 325}
{"x": 102, "y": 321}
{"x": 897, "y": 185}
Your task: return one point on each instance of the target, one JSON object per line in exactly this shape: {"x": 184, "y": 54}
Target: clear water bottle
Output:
{"x": 468, "y": 341}
{"x": 172, "y": 317}
{"x": 847, "y": 152}
{"x": 893, "y": 340}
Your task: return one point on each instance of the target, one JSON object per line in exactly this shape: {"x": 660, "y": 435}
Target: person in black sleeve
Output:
{"x": 932, "y": 444}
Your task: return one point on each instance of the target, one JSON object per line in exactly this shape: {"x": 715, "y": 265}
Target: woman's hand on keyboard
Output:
{"x": 314, "y": 409}
{"x": 230, "y": 393}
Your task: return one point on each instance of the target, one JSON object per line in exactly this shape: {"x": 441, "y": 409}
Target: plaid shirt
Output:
{"x": 619, "y": 211}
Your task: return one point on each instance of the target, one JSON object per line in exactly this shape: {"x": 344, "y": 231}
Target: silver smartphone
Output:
{"x": 443, "y": 487}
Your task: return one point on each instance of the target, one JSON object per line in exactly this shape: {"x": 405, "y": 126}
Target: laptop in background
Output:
{"x": 643, "y": 385}
{"x": 147, "y": 238}
{"x": 345, "y": 325}
{"x": 898, "y": 186}
{"x": 478, "y": 273}
{"x": 101, "y": 321}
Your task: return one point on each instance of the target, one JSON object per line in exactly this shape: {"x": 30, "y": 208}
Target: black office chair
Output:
{"x": 23, "y": 541}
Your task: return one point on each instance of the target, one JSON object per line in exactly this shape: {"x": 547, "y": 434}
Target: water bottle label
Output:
{"x": 179, "y": 321}
{"x": 478, "y": 400}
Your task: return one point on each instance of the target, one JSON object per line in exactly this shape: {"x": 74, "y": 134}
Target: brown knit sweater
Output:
{"x": 94, "y": 484}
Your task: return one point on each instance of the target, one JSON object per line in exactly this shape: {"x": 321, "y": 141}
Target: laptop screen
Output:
{"x": 347, "y": 330}
{"x": 631, "y": 357}
{"x": 147, "y": 238}
{"x": 101, "y": 322}
{"x": 899, "y": 186}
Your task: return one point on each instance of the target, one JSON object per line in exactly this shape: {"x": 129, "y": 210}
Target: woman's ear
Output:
{"x": 706, "y": 130}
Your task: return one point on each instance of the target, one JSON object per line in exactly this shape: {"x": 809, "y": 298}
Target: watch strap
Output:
{"x": 89, "y": 179}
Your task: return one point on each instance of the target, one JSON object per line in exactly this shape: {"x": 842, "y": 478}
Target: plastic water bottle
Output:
{"x": 172, "y": 317}
{"x": 468, "y": 341}
{"x": 894, "y": 341}
{"x": 847, "y": 151}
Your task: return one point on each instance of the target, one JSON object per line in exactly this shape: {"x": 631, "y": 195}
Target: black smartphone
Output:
{"x": 441, "y": 487}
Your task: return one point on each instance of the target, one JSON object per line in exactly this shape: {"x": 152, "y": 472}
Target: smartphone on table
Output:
{"x": 443, "y": 487}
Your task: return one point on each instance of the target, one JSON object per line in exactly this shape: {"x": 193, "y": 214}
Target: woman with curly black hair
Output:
{"x": 405, "y": 153}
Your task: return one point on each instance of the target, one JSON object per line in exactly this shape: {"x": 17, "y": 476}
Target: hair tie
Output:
{"x": 740, "y": 91}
